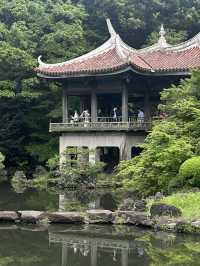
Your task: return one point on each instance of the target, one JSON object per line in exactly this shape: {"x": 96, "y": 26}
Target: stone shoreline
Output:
{"x": 136, "y": 218}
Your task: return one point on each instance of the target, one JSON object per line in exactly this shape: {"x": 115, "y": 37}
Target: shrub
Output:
{"x": 189, "y": 172}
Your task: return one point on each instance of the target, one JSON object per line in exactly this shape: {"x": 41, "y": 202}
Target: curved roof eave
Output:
{"x": 126, "y": 69}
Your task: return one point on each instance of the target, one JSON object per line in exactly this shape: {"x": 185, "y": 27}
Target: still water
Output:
{"x": 95, "y": 246}
{"x": 87, "y": 245}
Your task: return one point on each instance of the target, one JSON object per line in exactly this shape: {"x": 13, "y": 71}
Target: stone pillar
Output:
{"x": 92, "y": 157}
{"x": 65, "y": 106}
{"x": 125, "y": 152}
{"x": 124, "y": 103}
{"x": 93, "y": 106}
{"x": 94, "y": 255}
{"x": 97, "y": 154}
{"x": 128, "y": 153}
{"x": 61, "y": 202}
{"x": 121, "y": 153}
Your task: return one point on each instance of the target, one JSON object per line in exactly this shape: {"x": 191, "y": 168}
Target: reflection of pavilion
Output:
{"x": 94, "y": 199}
{"x": 89, "y": 244}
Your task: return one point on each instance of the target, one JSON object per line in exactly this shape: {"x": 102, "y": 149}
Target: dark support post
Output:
{"x": 65, "y": 106}
{"x": 93, "y": 106}
{"x": 124, "y": 103}
{"x": 82, "y": 104}
{"x": 147, "y": 107}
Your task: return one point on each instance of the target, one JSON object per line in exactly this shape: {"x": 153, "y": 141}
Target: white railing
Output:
{"x": 102, "y": 124}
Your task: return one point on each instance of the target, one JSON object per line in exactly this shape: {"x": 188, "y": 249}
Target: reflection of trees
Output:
{"x": 168, "y": 249}
{"x": 26, "y": 248}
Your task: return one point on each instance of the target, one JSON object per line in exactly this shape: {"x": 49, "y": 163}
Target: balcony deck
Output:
{"x": 102, "y": 125}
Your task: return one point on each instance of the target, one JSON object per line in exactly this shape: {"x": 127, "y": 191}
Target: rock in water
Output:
{"x": 63, "y": 217}
{"x": 30, "y": 216}
{"x": 162, "y": 209}
{"x": 132, "y": 217}
{"x": 8, "y": 216}
{"x": 99, "y": 216}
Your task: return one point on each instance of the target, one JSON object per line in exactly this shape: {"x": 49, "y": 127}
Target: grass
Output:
{"x": 189, "y": 203}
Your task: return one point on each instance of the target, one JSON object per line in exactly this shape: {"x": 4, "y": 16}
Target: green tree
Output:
{"x": 171, "y": 142}
{"x": 28, "y": 29}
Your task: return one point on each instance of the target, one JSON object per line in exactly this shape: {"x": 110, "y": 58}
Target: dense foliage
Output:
{"x": 28, "y": 29}
{"x": 75, "y": 169}
{"x": 172, "y": 141}
{"x": 60, "y": 30}
{"x": 189, "y": 172}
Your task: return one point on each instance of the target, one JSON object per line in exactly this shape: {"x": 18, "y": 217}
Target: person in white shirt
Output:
{"x": 140, "y": 117}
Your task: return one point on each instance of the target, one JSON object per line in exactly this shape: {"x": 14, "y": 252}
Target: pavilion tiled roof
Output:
{"x": 115, "y": 56}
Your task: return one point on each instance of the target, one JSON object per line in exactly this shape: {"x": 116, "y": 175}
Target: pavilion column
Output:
{"x": 92, "y": 156}
{"x": 124, "y": 104}
{"x": 147, "y": 106}
{"x": 93, "y": 106}
{"x": 62, "y": 202}
{"x": 65, "y": 106}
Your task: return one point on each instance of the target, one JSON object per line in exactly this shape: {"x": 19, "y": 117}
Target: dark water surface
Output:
{"x": 86, "y": 245}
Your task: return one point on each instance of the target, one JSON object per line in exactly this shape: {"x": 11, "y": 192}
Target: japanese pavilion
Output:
{"x": 117, "y": 76}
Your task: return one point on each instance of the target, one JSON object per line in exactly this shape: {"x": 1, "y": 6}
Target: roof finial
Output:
{"x": 41, "y": 64}
{"x": 162, "y": 41}
{"x": 110, "y": 28}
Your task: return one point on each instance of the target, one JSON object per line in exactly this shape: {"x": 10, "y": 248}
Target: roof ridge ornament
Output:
{"x": 162, "y": 40}
{"x": 119, "y": 48}
{"x": 110, "y": 28}
{"x": 41, "y": 64}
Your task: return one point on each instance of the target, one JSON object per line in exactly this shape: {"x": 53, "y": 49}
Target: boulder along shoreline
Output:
{"x": 165, "y": 221}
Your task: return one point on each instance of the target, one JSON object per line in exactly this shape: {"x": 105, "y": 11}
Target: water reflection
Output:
{"x": 124, "y": 246}
{"x": 88, "y": 199}
{"x": 91, "y": 245}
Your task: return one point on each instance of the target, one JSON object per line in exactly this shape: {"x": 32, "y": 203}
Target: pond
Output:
{"x": 95, "y": 246}
{"x": 32, "y": 199}
{"x": 86, "y": 245}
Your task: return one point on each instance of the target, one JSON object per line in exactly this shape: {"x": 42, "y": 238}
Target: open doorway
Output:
{"x": 110, "y": 156}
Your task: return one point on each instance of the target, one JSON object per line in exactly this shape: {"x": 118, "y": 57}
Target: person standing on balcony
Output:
{"x": 140, "y": 117}
{"x": 114, "y": 114}
{"x": 86, "y": 117}
{"x": 75, "y": 117}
